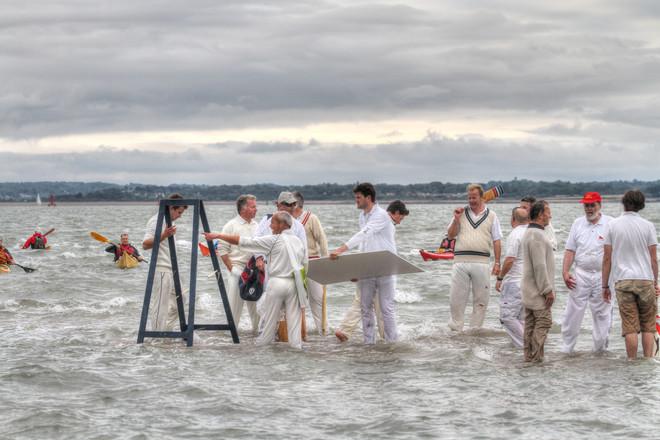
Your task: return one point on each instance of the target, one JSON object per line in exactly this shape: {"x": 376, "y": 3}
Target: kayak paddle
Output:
{"x": 26, "y": 269}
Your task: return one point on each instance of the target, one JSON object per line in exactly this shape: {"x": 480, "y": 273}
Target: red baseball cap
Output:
{"x": 591, "y": 197}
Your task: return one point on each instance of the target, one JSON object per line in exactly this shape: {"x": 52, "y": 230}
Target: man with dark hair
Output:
{"x": 376, "y": 234}
{"x": 397, "y": 211}
{"x": 585, "y": 247}
{"x": 317, "y": 246}
{"x": 163, "y": 313}
{"x": 236, "y": 258}
{"x": 478, "y": 235}
{"x": 527, "y": 202}
{"x": 366, "y": 189}
{"x": 537, "y": 285}
{"x": 630, "y": 261}
{"x": 508, "y": 281}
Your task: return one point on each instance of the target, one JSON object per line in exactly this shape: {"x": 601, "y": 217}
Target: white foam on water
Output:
{"x": 406, "y": 297}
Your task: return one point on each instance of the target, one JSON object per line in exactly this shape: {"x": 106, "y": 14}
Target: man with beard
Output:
{"x": 584, "y": 247}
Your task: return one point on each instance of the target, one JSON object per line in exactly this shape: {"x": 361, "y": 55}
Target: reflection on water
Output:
{"x": 71, "y": 367}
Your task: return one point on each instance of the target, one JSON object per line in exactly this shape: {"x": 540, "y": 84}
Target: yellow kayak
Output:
{"x": 127, "y": 261}
{"x": 4, "y": 268}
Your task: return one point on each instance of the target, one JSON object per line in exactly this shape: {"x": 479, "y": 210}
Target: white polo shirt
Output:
{"x": 514, "y": 250}
{"x": 630, "y": 237}
{"x": 587, "y": 240}
{"x": 237, "y": 226}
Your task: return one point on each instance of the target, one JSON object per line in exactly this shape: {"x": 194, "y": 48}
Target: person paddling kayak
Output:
{"x": 5, "y": 257}
{"x": 37, "y": 240}
{"x": 124, "y": 247}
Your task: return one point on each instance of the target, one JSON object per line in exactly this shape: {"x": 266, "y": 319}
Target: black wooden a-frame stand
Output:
{"x": 187, "y": 328}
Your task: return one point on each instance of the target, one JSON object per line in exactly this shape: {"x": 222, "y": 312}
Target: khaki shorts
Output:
{"x": 637, "y": 306}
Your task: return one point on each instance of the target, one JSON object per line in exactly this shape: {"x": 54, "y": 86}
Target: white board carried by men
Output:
{"x": 358, "y": 267}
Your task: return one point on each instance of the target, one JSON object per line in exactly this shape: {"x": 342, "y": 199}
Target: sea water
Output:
{"x": 70, "y": 366}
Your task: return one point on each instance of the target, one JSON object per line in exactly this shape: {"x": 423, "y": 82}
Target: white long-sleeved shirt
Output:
{"x": 297, "y": 228}
{"x": 274, "y": 247}
{"x": 237, "y": 226}
{"x": 376, "y": 232}
{"x": 164, "y": 263}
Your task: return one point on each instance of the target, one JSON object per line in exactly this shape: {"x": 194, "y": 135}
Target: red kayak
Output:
{"x": 428, "y": 255}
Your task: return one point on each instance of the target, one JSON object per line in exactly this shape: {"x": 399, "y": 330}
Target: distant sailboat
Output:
{"x": 51, "y": 200}
{"x": 38, "y": 200}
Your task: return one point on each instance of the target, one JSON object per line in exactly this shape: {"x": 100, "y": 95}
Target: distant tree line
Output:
{"x": 432, "y": 191}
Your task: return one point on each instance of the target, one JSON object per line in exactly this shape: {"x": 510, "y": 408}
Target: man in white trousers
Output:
{"x": 584, "y": 249}
{"x": 286, "y": 202}
{"x": 236, "y": 258}
{"x": 512, "y": 315}
{"x": 317, "y": 246}
{"x": 478, "y": 234}
{"x": 376, "y": 234}
{"x": 397, "y": 211}
{"x": 287, "y": 256}
{"x": 163, "y": 313}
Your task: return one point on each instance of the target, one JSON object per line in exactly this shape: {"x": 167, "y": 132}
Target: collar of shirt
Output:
{"x": 631, "y": 213}
{"x": 242, "y": 221}
{"x": 373, "y": 209}
{"x": 535, "y": 226}
{"x": 599, "y": 222}
{"x": 479, "y": 214}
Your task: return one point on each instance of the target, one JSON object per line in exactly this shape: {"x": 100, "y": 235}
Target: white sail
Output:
{"x": 38, "y": 199}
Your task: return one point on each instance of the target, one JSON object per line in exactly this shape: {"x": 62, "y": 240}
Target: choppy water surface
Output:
{"x": 71, "y": 368}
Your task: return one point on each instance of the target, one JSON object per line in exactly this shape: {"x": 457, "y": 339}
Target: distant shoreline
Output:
{"x": 555, "y": 199}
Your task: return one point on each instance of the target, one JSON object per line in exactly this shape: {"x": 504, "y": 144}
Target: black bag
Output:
{"x": 251, "y": 283}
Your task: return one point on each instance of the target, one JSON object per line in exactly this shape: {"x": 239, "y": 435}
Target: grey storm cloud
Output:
{"x": 433, "y": 158}
{"x": 74, "y": 67}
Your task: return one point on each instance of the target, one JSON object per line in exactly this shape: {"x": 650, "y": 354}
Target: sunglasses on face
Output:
{"x": 589, "y": 205}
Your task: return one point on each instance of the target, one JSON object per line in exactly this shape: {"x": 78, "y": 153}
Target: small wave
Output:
{"x": 13, "y": 304}
{"x": 68, "y": 255}
{"x": 404, "y": 297}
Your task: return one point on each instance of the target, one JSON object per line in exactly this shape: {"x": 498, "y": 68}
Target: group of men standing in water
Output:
{"x": 281, "y": 244}
{"x": 605, "y": 253}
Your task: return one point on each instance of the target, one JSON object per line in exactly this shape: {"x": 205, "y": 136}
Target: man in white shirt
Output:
{"x": 584, "y": 247}
{"x": 630, "y": 260}
{"x": 163, "y": 314}
{"x": 376, "y": 234}
{"x": 397, "y": 211}
{"x": 477, "y": 232}
{"x": 512, "y": 315}
{"x": 287, "y": 256}
{"x": 236, "y": 258}
{"x": 286, "y": 202}
{"x": 317, "y": 246}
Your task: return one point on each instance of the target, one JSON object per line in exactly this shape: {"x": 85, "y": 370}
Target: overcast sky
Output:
{"x": 295, "y": 91}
